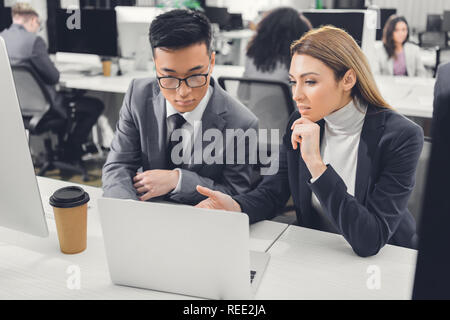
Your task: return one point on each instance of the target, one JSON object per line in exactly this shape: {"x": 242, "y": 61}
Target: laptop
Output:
{"x": 180, "y": 249}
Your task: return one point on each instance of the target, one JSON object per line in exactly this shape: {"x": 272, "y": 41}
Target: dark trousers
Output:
{"x": 87, "y": 112}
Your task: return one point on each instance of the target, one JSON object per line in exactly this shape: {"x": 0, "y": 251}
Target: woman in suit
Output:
{"x": 268, "y": 55}
{"x": 347, "y": 157}
{"x": 395, "y": 55}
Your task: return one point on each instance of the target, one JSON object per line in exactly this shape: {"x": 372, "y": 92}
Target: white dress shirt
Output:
{"x": 340, "y": 144}
{"x": 191, "y": 118}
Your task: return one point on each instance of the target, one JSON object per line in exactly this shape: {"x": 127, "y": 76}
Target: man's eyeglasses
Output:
{"x": 194, "y": 81}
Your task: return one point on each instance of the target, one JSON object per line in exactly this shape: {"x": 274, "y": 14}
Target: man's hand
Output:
{"x": 155, "y": 183}
{"x": 217, "y": 200}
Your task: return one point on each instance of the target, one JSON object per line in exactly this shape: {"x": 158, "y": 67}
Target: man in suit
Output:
{"x": 182, "y": 96}
{"x": 26, "y": 47}
{"x": 432, "y": 279}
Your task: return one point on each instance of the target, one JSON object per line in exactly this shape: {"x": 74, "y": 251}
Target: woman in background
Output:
{"x": 395, "y": 55}
{"x": 268, "y": 55}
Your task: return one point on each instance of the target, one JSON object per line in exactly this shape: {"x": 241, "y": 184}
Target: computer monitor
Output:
{"x": 219, "y": 15}
{"x": 349, "y": 4}
{"x": 446, "y": 22}
{"x": 97, "y": 35}
{"x": 385, "y": 13}
{"x": 360, "y": 24}
{"x": 434, "y": 22}
{"x": 5, "y": 18}
{"x": 20, "y": 201}
{"x": 349, "y": 20}
{"x": 236, "y": 21}
{"x": 133, "y": 25}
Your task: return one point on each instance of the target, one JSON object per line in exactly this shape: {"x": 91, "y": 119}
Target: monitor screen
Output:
{"x": 97, "y": 35}
{"x": 384, "y": 16}
{"x": 5, "y": 18}
{"x": 219, "y": 16}
{"x": 352, "y": 22}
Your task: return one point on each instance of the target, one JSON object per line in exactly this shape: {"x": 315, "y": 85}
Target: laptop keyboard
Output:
{"x": 252, "y": 275}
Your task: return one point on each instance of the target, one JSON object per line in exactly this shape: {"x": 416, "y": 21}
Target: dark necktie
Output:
{"x": 175, "y": 121}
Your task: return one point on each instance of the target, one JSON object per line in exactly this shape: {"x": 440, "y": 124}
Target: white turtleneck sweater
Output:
{"x": 339, "y": 147}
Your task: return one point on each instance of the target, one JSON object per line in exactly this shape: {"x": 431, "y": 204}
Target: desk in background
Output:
{"x": 409, "y": 96}
{"x": 305, "y": 264}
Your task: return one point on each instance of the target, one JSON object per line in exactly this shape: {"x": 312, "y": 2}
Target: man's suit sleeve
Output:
{"x": 236, "y": 179}
{"x": 367, "y": 228}
{"x": 271, "y": 195}
{"x": 42, "y": 63}
{"x": 124, "y": 158}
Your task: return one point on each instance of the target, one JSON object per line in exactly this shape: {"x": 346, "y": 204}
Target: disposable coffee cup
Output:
{"x": 107, "y": 68}
{"x": 70, "y": 209}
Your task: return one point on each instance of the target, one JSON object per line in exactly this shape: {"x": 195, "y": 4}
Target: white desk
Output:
{"x": 408, "y": 95}
{"x": 34, "y": 268}
{"x": 305, "y": 264}
{"x": 308, "y": 264}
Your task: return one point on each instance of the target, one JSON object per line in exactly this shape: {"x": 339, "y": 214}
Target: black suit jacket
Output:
{"x": 433, "y": 262}
{"x": 388, "y": 153}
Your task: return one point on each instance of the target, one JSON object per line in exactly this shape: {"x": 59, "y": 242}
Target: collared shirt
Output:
{"x": 190, "y": 117}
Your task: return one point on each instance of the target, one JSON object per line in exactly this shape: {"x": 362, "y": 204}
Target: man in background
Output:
{"x": 24, "y": 46}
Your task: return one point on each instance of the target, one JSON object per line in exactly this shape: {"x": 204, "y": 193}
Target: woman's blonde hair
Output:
{"x": 339, "y": 51}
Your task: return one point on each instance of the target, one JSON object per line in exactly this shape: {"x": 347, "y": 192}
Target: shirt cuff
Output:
{"x": 316, "y": 178}
{"x": 177, "y": 189}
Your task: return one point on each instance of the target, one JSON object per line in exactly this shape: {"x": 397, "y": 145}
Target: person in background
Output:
{"x": 348, "y": 159}
{"x": 26, "y": 47}
{"x": 268, "y": 55}
{"x": 395, "y": 55}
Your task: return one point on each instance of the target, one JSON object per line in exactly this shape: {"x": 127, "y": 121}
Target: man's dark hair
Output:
{"x": 179, "y": 29}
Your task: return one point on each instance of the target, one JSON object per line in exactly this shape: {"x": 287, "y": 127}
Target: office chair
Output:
{"x": 430, "y": 39}
{"x": 37, "y": 106}
{"x": 271, "y": 101}
{"x": 434, "y": 22}
{"x": 436, "y": 40}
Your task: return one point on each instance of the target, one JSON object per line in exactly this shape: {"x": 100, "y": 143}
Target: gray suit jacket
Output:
{"x": 28, "y": 48}
{"x": 385, "y": 65}
{"x": 140, "y": 142}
